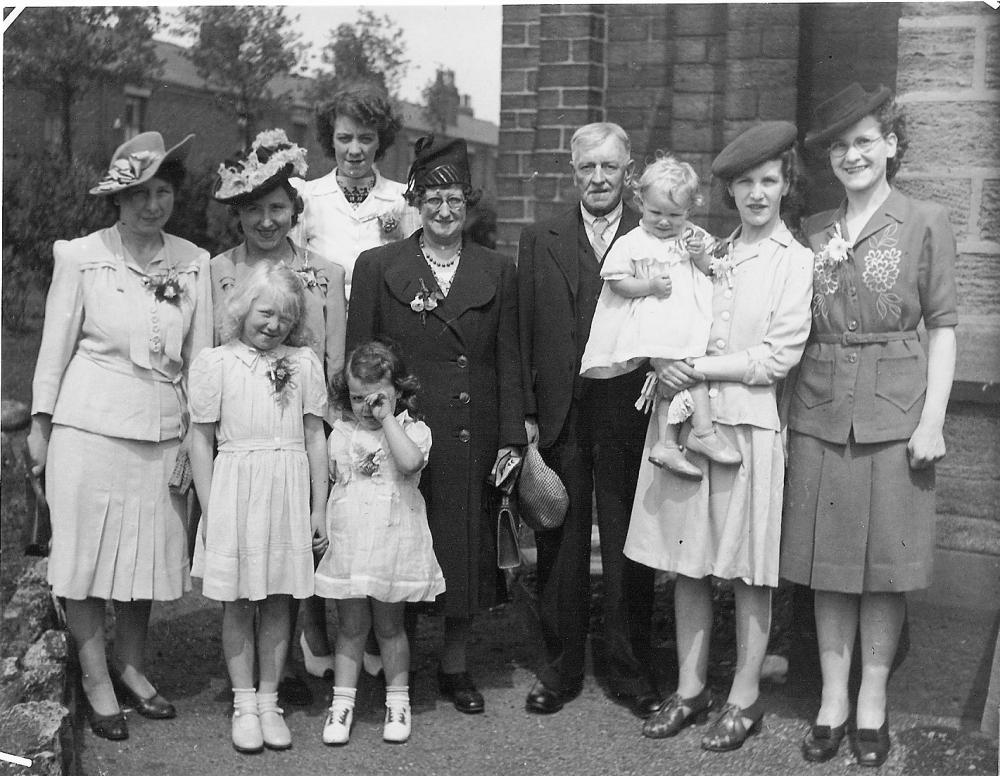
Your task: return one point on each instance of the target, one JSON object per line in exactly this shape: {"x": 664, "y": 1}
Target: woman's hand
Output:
{"x": 926, "y": 446}
{"x": 38, "y": 442}
{"x": 317, "y": 520}
{"x": 677, "y": 375}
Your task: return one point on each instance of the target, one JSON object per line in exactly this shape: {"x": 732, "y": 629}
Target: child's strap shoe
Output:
{"x": 247, "y": 735}
{"x": 714, "y": 447}
{"x": 272, "y": 724}
{"x": 670, "y": 457}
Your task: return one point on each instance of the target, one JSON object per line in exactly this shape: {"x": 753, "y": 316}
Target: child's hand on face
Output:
{"x": 380, "y": 406}
{"x": 694, "y": 243}
{"x": 660, "y": 286}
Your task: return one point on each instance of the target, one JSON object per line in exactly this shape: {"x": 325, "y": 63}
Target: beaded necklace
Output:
{"x": 443, "y": 271}
{"x": 355, "y": 194}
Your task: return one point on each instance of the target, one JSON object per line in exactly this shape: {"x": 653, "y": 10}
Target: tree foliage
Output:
{"x": 63, "y": 52}
{"x": 372, "y": 49}
{"x": 240, "y": 50}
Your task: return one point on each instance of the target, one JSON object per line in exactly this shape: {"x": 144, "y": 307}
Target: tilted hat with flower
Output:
{"x": 272, "y": 158}
{"x": 136, "y": 161}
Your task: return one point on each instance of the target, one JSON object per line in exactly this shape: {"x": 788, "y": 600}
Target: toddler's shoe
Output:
{"x": 397, "y": 723}
{"x": 668, "y": 456}
{"x": 714, "y": 447}
{"x": 247, "y": 735}
{"x": 272, "y": 724}
{"x": 337, "y": 730}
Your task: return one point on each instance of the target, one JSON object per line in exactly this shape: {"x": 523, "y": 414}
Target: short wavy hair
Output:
{"x": 791, "y": 170}
{"x": 591, "y": 135}
{"x": 367, "y": 104}
{"x": 290, "y": 294}
{"x": 892, "y": 118}
{"x": 675, "y": 178}
{"x": 372, "y": 362}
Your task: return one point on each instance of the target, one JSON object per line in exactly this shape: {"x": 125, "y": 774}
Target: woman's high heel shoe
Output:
{"x": 677, "y": 712}
{"x": 822, "y": 742}
{"x": 156, "y": 707}
{"x": 320, "y": 666}
{"x": 110, "y": 726}
{"x": 730, "y": 730}
{"x": 871, "y": 747}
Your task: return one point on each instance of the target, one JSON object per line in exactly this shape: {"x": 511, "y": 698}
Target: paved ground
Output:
{"x": 936, "y": 698}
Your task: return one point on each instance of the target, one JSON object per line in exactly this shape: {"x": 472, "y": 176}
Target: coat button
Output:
{"x": 713, "y": 392}
{"x": 852, "y": 325}
{"x": 720, "y": 344}
{"x": 464, "y": 435}
{"x": 462, "y": 362}
{"x": 852, "y": 357}
{"x": 725, "y": 315}
{"x": 464, "y": 397}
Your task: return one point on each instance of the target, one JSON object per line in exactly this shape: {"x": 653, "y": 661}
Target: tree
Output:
{"x": 63, "y": 52}
{"x": 240, "y": 50}
{"x": 372, "y": 49}
{"x": 441, "y": 101}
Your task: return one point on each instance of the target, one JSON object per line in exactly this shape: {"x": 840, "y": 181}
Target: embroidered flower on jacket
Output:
{"x": 882, "y": 271}
{"x": 280, "y": 373}
{"x": 723, "y": 262}
{"x": 425, "y": 300}
{"x": 165, "y": 287}
{"x": 389, "y": 221}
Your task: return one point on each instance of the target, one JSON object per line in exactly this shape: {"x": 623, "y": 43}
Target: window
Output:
{"x": 134, "y": 114}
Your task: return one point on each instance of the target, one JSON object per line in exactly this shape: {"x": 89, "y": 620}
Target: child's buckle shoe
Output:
{"x": 337, "y": 729}
{"x": 715, "y": 448}
{"x": 247, "y": 735}
{"x": 670, "y": 457}
{"x": 397, "y": 723}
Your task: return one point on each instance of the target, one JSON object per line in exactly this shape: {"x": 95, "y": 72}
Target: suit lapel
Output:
{"x": 565, "y": 249}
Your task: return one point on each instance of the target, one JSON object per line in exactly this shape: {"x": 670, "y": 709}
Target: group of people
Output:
{"x": 794, "y": 417}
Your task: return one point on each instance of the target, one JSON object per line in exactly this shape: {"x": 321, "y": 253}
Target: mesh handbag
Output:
{"x": 542, "y": 495}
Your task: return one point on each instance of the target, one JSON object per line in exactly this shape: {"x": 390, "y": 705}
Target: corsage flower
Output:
{"x": 165, "y": 287}
{"x": 837, "y": 249}
{"x": 388, "y": 221}
{"x": 307, "y": 274}
{"x": 370, "y": 463}
{"x": 280, "y": 373}
{"x": 425, "y": 300}
{"x": 723, "y": 262}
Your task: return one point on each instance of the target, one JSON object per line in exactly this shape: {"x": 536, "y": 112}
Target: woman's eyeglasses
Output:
{"x": 863, "y": 143}
{"x": 454, "y": 203}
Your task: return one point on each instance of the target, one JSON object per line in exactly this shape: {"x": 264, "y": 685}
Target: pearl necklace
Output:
{"x": 443, "y": 272}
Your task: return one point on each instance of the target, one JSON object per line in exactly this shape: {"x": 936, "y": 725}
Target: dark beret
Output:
{"x": 758, "y": 144}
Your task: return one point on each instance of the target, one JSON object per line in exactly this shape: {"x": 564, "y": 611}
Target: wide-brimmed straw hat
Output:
{"x": 845, "y": 108}
{"x": 439, "y": 162}
{"x": 756, "y": 145}
{"x": 272, "y": 158}
{"x": 136, "y": 161}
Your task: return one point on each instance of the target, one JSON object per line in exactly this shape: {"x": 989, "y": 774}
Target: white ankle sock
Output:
{"x": 245, "y": 701}
{"x": 397, "y": 695}
{"x": 345, "y": 695}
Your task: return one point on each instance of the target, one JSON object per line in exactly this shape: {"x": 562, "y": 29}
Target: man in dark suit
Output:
{"x": 587, "y": 430}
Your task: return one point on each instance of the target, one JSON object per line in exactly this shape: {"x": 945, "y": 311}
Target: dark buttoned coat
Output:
{"x": 466, "y": 356}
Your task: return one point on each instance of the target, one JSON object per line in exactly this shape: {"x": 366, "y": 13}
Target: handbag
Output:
{"x": 40, "y": 530}
{"x": 542, "y": 495}
{"x": 503, "y": 478}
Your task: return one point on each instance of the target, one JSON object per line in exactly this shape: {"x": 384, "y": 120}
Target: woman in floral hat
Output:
{"x": 867, "y": 413}
{"x": 451, "y": 306}
{"x": 257, "y": 188}
{"x": 128, "y": 309}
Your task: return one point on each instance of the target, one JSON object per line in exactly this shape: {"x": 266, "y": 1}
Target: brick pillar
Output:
{"x": 948, "y": 81}
{"x": 518, "y": 108}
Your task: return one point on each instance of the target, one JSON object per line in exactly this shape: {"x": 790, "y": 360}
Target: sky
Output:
{"x": 457, "y": 36}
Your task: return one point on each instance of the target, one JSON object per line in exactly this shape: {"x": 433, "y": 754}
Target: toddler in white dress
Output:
{"x": 381, "y": 554}
{"x": 657, "y": 304}
{"x": 262, "y": 396}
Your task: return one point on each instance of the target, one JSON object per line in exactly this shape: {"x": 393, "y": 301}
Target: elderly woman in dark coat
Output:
{"x": 451, "y": 306}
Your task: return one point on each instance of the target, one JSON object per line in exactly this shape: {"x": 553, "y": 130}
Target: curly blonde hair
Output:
{"x": 675, "y": 178}
{"x": 290, "y": 296}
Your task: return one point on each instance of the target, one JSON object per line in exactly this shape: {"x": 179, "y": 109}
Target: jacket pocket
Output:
{"x": 900, "y": 380}
{"x": 814, "y": 385}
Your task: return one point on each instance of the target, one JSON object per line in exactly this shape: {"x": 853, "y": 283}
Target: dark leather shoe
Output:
{"x": 459, "y": 689}
{"x": 646, "y": 704}
{"x": 871, "y": 747}
{"x": 112, "y": 727}
{"x": 677, "y": 712}
{"x": 822, "y": 742}
{"x": 156, "y": 707}
{"x": 294, "y": 692}
{"x": 730, "y": 729}
{"x": 542, "y": 699}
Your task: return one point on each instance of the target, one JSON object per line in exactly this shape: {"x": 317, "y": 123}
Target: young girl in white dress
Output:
{"x": 657, "y": 304}
{"x": 263, "y": 397}
{"x": 380, "y": 554}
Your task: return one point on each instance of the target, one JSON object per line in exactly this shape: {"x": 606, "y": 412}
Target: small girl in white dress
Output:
{"x": 657, "y": 304}
{"x": 263, "y": 397}
{"x": 381, "y": 553}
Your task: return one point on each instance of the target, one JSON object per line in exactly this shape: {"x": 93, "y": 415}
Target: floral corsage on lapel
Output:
{"x": 280, "y": 372}
{"x": 826, "y": 278}
{"x": 837, "y": 249}
{"x": 369, "y": 463}
{"x": 723, "y": 262}
{"x": 388, "y": 221}
{"x": 426, "y": 300}
{"x": 166, "y": 287}
{"x": 308, "y": 275}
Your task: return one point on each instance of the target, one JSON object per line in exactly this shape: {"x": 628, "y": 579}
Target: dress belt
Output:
{"x": 863, "y": 338}
{"x": 262, "y": 443}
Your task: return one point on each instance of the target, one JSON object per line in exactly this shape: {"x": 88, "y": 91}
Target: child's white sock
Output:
{"x": 344, "y": 696}
{"x": 397, "y": 694}
{"x": 245, "y": 701}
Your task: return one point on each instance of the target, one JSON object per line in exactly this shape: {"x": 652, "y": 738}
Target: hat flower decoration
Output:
{"x": 271, "y": 155}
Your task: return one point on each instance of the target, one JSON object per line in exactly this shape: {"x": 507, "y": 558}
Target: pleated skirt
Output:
{"x": 117, "y": 530}
{"x": 857, "y": 517}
